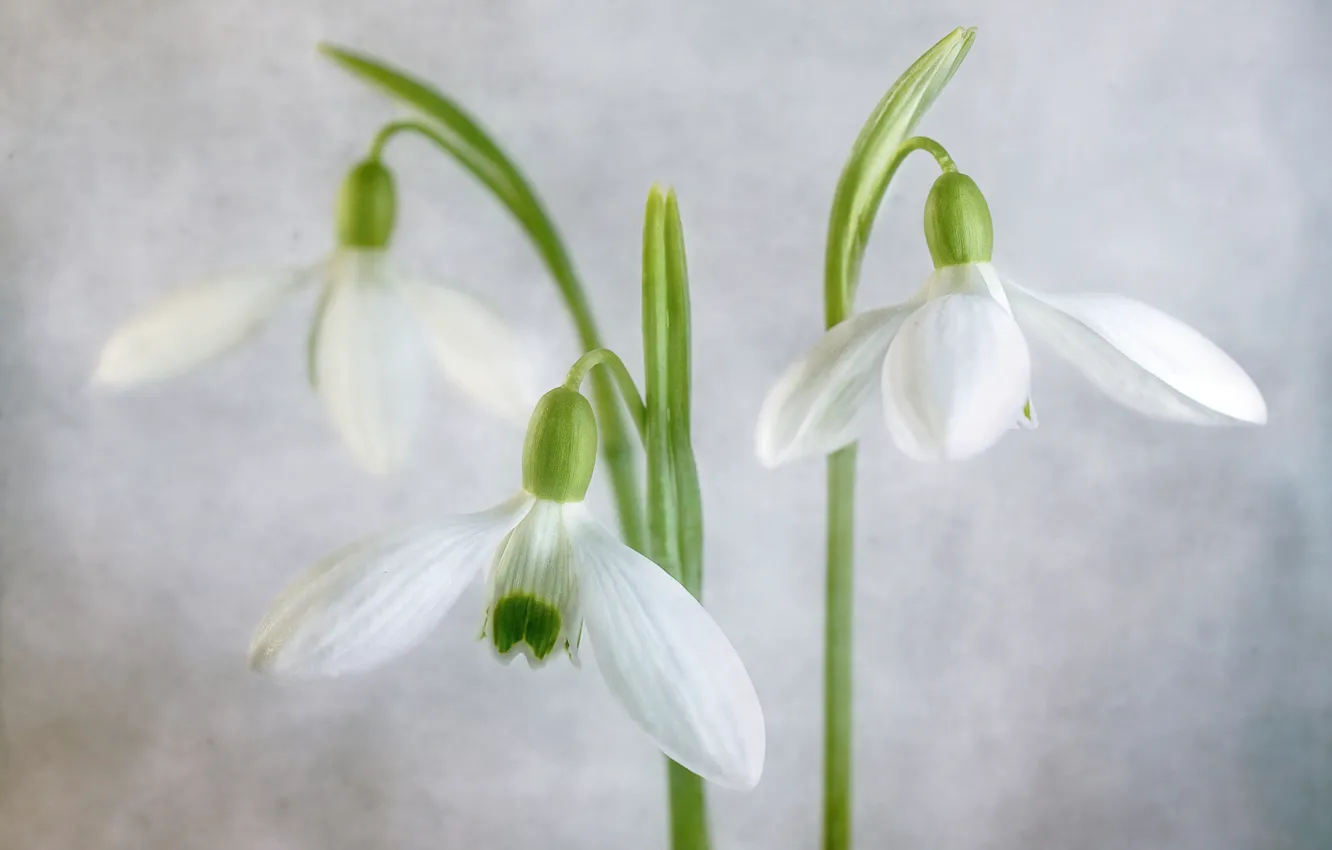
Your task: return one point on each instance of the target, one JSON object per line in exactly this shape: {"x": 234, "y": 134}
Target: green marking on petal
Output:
{"x": 522, "y": 618}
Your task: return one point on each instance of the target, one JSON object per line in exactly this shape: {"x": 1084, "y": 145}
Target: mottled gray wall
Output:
{"x": 1109, "y": 633}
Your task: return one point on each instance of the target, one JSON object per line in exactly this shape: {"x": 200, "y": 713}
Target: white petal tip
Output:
{"x": 1250, "y": 407}
{"x": 261, "y": 658}
{"x": 768, "y": 456}
{"x": 744, "y": 777}
{"x": 266, "y": 658}
{"x": 118, "y": 368}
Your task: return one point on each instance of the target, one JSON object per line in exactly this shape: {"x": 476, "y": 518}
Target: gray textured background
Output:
{"x": 1109, "y": 633}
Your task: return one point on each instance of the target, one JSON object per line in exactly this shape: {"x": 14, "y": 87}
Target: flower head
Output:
{"x": 553, "y": 571}
{"x": 953, "y": 362}
{"x": 371, "y": 338}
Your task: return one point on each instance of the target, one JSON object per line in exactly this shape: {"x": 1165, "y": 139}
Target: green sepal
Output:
{"x": 958, "y": 228}
{"x": 522, "y": 618}
{"x": 560, "y": 451}
{"x": 367, "y": 206}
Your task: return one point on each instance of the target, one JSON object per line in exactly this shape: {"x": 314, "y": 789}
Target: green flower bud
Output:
{"x": 957, "y": 222}
{"x": 366, "y": 207}
{"x": 561, "y": 447}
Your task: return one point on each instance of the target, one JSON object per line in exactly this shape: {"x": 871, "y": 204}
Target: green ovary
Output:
{"x": 522, "y": 618}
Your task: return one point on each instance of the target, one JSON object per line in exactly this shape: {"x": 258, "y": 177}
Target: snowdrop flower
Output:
{"x": 553, "y": 569}
{"x": 368, "y": 346}
{"x": 953, "y": 362}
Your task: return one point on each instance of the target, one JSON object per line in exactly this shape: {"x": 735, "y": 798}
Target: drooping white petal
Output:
{"x": 476, "y": 350}
{"x": 378, "y": 598}
{"x": 956, "y": 378}
{"x": 192, "y": 326}
{"x": 665, "y": 660}
{"x": 817, "y": 405}
{"x": 1141, "y": 357}
{"x": 369, "y": 361}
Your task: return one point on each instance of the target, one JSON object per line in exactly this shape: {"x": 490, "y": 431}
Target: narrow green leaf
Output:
{"x": 663, "y": 520}
{"x": 874, "y": 161}
{"x": 674, "y": 511}
{"x": 689, "y": 507}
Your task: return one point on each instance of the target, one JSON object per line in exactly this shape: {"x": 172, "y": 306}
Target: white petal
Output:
{"x": 956, "y": 378}
{"x": 378, "y": 598}
{"x": 476, "y": 350}
{"x": 1141, "y": 357}
{"x": 665, "y": 660}
{"x": 817, "y": 406}
{"x": 369, "y": 363}
{"x": 192, "y": 326}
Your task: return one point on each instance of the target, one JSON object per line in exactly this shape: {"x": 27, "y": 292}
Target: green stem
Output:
{"x": 393, "y": 128}
{"x": 930, "y": 146}
{"x": 689, "y": 808}
{"x": 837, "y": 667}
{"x": 624, "y": 382}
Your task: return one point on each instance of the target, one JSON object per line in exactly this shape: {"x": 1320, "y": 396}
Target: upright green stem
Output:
{"x": 838, "y": 297}
{"x": 689, "y": 808}
{"x": 837, "y": 647}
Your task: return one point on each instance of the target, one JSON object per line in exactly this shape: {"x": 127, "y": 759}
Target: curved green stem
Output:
{"x": 840, "y": 281}
{"x": 624, "y": 382}
{"x": 930, "y": 146}
{"x": 406, "y": 125}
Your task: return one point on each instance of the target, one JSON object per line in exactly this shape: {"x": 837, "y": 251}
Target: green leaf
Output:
{"x": 662, "y": 507}
{"x": 688, "y": 500}
{"x": 675, "y": 512}
{"x": 873, "y": 162}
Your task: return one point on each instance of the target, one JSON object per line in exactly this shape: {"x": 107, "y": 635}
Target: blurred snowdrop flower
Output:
{"x": 553, "y": 569}
{"x": 370, "y": 342}
{"x": 953, "y": 362}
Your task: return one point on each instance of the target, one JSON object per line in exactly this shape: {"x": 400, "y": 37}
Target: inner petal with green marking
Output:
{"x": 534, "y": 592}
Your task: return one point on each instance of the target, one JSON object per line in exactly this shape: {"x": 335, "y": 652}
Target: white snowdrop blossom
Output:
{"x": 953, "y": 364}
{"x": 370, "y": 344}
{"x": 553, "y": 570}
